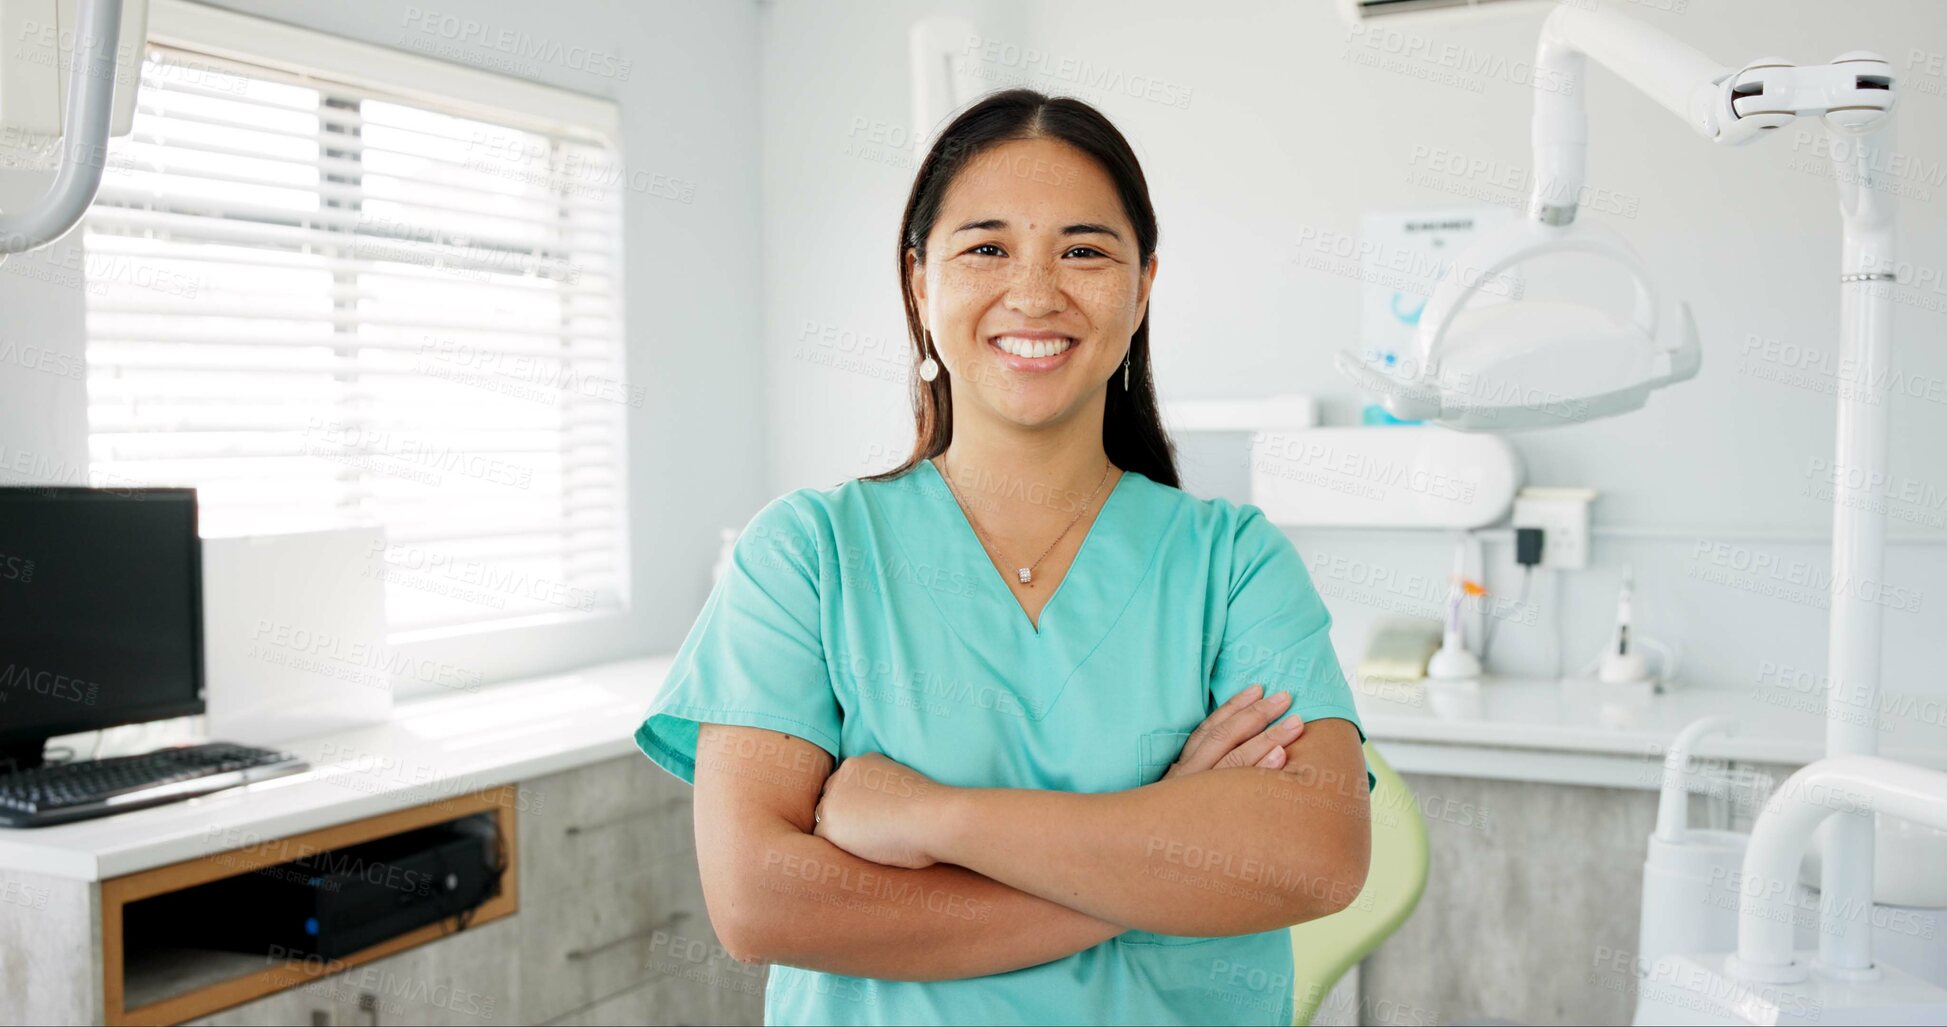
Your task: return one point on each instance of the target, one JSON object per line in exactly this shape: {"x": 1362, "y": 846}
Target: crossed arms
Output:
{"x": 902, "y": 878}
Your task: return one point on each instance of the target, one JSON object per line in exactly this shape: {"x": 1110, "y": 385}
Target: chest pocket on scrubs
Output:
{"x": 1158, "y": 750}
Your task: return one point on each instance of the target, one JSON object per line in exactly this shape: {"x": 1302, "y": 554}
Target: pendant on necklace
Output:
{"x": 1026, "y": 575}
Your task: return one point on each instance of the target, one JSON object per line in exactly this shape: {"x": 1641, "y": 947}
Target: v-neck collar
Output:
{"x": 1116, "y": 558}
{"x": 969, "y": 536}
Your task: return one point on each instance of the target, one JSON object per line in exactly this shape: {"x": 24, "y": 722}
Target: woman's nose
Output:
{"x": 1035, "y": 291}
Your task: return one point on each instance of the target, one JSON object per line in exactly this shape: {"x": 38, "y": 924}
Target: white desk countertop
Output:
{"x": 439, "y": 747}
{"x": 433, "y": 748}
{"x": 1584, "y": 733}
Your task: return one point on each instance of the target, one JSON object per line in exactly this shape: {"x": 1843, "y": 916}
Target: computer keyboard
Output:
{"x": 61, "y": 792}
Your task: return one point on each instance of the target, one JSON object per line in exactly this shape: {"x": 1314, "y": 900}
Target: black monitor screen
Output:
{"x": 100, "y": 609}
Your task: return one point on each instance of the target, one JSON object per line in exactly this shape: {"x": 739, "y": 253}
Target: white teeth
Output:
{"x": 1032, "y": 347}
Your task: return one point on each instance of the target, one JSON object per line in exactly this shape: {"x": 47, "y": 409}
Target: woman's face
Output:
{"x": 1032, "y": 283}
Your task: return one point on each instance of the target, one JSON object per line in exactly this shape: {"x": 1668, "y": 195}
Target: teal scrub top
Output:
{"x": 867, "y": 617}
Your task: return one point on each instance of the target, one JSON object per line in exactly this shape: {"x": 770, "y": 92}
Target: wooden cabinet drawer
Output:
{"x": 303, "y": 1006}
{"x": 696, "y": 980}
{"x": 468, "y": 977}
{"x": 612, "y": 922}
{"x": 577, "y": 946}
{"x": 603, "y": 822}
{"x": 666, "y": 1001}
{"x": 612, "y": 906}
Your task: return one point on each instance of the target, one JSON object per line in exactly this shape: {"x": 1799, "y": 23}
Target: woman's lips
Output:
{"x": 1020, "y": 363}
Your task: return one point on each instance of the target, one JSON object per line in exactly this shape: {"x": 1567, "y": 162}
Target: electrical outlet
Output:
{"x": 1562, "y": 514}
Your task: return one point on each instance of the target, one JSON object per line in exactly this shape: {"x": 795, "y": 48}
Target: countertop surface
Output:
{"x": 438, "y": 747}
{"x": 433, "y": 748}
{"x": 1776, "y": 725}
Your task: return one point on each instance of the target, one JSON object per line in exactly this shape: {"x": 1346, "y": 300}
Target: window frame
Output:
{"x": 395, "y": 74}
{"x": 409, "y": 76}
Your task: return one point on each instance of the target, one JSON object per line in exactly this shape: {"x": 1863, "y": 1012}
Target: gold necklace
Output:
{"x": 1026, "y": 574}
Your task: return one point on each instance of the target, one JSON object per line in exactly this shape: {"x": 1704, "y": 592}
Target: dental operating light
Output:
{"x": 1528, "y": 364}
{"x": 1537, "y": 364}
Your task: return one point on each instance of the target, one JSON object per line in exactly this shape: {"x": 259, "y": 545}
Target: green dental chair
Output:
{"x": 1323, "y": 950}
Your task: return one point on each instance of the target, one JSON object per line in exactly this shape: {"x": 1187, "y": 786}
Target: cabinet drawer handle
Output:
{"x": 663, "y": 925}
{"x": 577, "y": 829}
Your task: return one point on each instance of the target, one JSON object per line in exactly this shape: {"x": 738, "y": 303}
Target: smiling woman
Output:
{"x": 1018, "y": 731}
{"x": 1074, "y": 263}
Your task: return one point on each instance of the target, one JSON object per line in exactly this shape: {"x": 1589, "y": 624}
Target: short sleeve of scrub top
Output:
{"x": 754, "y": 657}
{"x": 868, "y": 617}
{"x": 1277, "y": 632}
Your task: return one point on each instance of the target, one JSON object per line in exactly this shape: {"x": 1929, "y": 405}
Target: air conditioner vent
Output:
{"x": 1357, "y": 11}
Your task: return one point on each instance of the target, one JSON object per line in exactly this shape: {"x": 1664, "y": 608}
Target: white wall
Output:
{"x": 1290, "y": 132}
{"x": 839, "y": 157}
{"x": 696, "y": 447}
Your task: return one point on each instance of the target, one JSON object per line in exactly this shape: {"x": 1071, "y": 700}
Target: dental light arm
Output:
{"x": 1673, "y": 75}
{"x": 1684, "y": 81}
{"x": 84, "y": 134}
{"x": 1720, "y": 104}
{"x": 1534, "y": 364}
{"x": 1667, "y": 70}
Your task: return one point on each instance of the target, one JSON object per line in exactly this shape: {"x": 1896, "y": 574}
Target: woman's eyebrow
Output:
{"x": 998, "y": 224}
{"x": 1092, "y": 230}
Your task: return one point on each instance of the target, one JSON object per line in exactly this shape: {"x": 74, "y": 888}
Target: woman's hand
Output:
{"x": 1234, "y": 735}
{"x": 875, "y": 809}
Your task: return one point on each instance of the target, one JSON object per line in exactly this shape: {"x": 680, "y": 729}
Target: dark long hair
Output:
{"x": 1132, "y": 430}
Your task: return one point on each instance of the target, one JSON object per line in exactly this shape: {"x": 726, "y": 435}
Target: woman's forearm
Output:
{"x": 778, "y": 893}
{"x": 801, "y": 901}
{"x": 1231, "y": 851}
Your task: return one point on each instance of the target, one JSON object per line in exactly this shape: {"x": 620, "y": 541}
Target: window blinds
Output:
{"x": 325, "y": 307}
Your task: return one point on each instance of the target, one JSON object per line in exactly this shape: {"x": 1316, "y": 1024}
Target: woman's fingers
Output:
{"x": 1231, "y": 731}
{"x": 1265, "y": 749}
{"x": 1243, "y": 725}
{"x": 1243, "y": 698}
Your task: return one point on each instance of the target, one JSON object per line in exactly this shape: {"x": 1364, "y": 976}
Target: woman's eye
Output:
{"x": 1086, "y": 252}
{"x": 987, "y": 249}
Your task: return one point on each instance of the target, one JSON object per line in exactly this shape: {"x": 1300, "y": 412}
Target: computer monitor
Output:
{"x": 101, "y": 612}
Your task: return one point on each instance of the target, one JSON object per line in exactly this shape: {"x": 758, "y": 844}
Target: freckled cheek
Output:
{"x": 1105, "y": 298}
{"x": 961, "y": 281}
{"x": 961, "y": 295}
